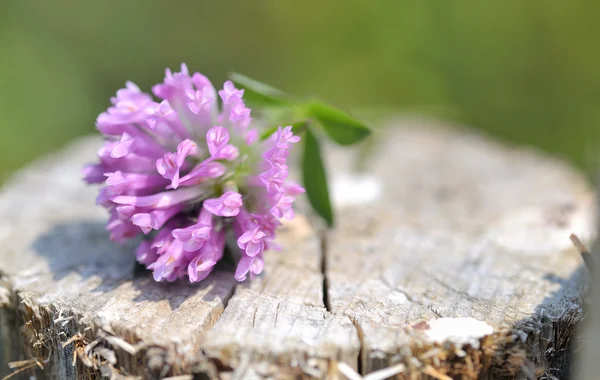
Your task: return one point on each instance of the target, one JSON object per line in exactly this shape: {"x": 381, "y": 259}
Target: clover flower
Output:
{"x": 191, "y": 174}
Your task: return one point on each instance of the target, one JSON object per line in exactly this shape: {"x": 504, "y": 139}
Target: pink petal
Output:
{"x": 253, "y": 249}
{"x": 243, "y": 267}
{"x": 160, "y": 200}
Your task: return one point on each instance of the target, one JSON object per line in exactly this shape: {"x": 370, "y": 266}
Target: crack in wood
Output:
{"x": 276, "y": 314}
{"x": 323, "y": 247}
{"x": 359, "y": 364}
{"x": 450, "y": 288}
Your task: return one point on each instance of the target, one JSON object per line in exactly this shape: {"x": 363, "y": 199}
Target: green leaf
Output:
{"x": 315, "y": 178}
{"x": 297, "y": 127}
{"x": 266, "y": 134}
{"x": 257, "y": 94}
{"x": 339, "y": 126}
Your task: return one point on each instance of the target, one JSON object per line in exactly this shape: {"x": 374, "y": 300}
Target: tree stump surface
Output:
{"x": 450, "y": 259}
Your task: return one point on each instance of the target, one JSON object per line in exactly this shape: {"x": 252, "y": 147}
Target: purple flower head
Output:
{"x": 180, "y": 171}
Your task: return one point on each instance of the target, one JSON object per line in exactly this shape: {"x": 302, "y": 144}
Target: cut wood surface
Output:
{"x": 451, "y": 257}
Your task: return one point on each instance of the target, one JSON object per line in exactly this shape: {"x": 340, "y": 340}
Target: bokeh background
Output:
{"x": 525, "y": 71}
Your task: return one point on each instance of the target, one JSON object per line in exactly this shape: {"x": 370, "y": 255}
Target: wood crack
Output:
{"x": 277, "y": 314}
{"x": 323, "y": 247}
{"x": 359, "y": 333}
{"x": 361, "y": 341}
{"x": 451, "y": 289}
{"x": 420, "y": 302}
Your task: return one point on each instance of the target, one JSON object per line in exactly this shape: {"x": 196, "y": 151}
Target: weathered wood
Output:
{"x": 445, "y": 224}
{"x": 280, "y": 318}
{"x": 588, "y": 365}
{"x": 461, "y": 227}
{"x": 70, "y": 284}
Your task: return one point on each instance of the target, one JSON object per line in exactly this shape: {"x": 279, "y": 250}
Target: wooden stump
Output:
{"x": 451, "y": 257}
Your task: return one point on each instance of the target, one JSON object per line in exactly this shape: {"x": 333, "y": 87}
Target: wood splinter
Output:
{"x": 585, "y": 254}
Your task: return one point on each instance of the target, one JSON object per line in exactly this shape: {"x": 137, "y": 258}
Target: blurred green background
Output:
{"x": 526, "y": 71}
